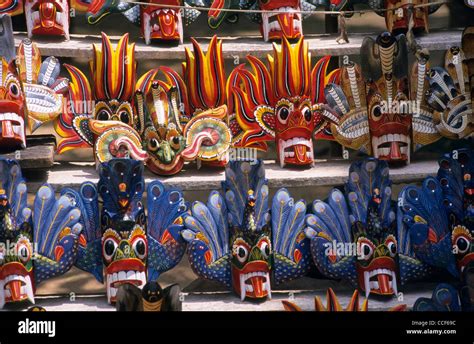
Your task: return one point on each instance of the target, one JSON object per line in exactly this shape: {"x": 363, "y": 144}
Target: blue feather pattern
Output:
{"x": 56, "y": 229}
{"x": 290, "y": 246}
{"x": 14, "y": 185}
{"x": 208, "y": 226}
{"x": 444, "y": 299}
{"x": 207, "y": 249}
{"x": 423, "y": 225}
{"x": 114, "y": 175}
{"x": 166, "y": 208}
{"x": 456, "y": 173}
{"x": 241, "y": 177}
{"x": 89, "y": 255}
{"x": 329, "y": 224}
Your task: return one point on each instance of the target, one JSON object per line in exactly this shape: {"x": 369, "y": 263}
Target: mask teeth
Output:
{"x": 268, "y": 287}
{"x": 282, "y": 153}
{"x": 2, "y": 294}
{"x": 242, "y": 287}
{"x": 146, "y": 26}
{"x": 29, "y": 290}
{"x": 367, "y": 283}
{"x": 394, "y": 283}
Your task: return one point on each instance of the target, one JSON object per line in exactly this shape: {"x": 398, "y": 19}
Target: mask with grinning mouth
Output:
{"x": 281, "y": 102}
{"x": 281, "y": 20}
{"x": 251, "y": 260}
{"x": 12, "y": 99}
{"x": 47, "y": 17}
{"x": 124, "y": 242}
{"x": 377, "y": 256}
{"x": 384, "y": 109}
{"x": 353, "y": 232}
{"x": 102, "y": 115}
{"x": 124, "y": 249}
{"x": 12, "y": 109}
{"x": 161, "y": 23}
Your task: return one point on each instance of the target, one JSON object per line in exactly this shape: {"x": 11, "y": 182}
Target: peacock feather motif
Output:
{"x": 241, "y": 239}
{"x": 435, "y": 220}
{"x": 352, "y": 233}
{"x": 45, "y": 239}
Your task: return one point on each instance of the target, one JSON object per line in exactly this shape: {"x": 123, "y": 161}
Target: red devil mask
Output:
{"x": 161, "y": 23}
{"x": 47, "y": 17}
{"x": 280, "y": 102}
{"x": 281, "y": 21}
{"x": 12, "y": 108}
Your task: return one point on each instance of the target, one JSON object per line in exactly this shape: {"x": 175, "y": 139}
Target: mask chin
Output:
{"x": 16, "y": 284}
{"x": 124, "y": 271}
{"x": 252, "y": 281}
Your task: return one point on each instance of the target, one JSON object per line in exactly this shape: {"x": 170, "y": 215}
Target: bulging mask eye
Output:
{"x": 283, "y": 113}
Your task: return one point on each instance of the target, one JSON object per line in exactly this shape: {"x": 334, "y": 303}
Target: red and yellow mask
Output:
{"x": 47, "y": 17}
{"x": 280, "y": 102}
{"x": 102, "y": 116}
{"x": 281, "y": 20}
{"x": 161, "y": 23}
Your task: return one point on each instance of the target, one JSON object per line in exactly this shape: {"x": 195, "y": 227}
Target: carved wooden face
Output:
{"x": 281, "y": 21}
{"x": 12, "y": 108}
{"x": 47, "y": 17}
{"x": 161, "y": 23}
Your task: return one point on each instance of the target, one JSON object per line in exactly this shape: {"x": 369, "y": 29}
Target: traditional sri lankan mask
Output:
{"x": 281, "y": 18}
{"x": 47, "y": 17}
{"x": 251, "y": 260}
{"x": 107, "y": 125}
{"x": 281, "y": 21}
{"x": 16, "y": 251}
{"x": 390, "y": 126}
{"x": 12, "y": 108}
{"x": 203, "y": 97}
{"x": 171, "y": 132}
{"x": 397, "y": 18}
{"x": 43, "y": 87}
{"x": 53, "y": 228}
{"x": 456, "y": 176}
{"x": 449, "y": 95}
{"x": 233, "y": 240}
{"x": 280, "y": 103}
{"x": 124, "y": 241}
{"x": 12, "y": 99}
{"x": 162, "y": 131}
{"x": 374, "y": 110}
{"x": 158, "y": 23}
{"x": 360, "y": 218}
{"x": 161, "y": 23}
